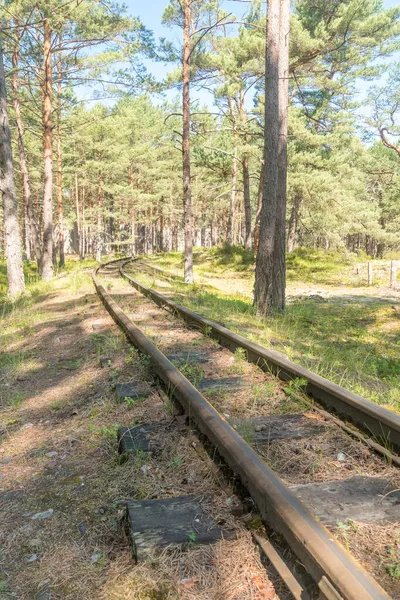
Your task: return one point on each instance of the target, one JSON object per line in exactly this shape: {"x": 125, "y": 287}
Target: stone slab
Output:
{"x": 171, "y": 521}
{"x": 189, "y": 357}
{"x": 230, "y": 384}
{"x": 265, "y": 429}
{"x": 134, "y": 439}
{"x": 362, "y": 499}
{"x": 105, "y": 362}
{"x": 133, "y": 390}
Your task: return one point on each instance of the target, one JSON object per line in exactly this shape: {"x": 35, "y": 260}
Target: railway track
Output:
{"x": 248, "y": 444}
{"x": 371, "y": 418}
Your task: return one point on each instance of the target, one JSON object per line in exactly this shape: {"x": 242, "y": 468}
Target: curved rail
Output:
{"x": 333, "y": 569}
{"x": 373, "y": 419}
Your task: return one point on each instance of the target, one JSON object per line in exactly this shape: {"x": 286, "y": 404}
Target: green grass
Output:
{"x": 303, "y": 265}
{"x": 355, "y": 344}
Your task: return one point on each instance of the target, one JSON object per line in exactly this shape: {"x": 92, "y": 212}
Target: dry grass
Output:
{"x": 225, "y": 571}
{"x": 58, "y": 450}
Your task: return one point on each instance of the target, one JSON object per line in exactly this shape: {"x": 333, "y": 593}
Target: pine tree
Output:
{"x": 12, "y": 240}
{"x": 270, "y": 277}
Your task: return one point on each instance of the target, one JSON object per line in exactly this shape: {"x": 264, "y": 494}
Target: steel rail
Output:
{"x": 329, "y": 564}
{"x": 373, "y": 419}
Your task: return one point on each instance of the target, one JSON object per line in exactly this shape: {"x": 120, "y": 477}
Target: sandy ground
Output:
{"x": 62, "y": 482}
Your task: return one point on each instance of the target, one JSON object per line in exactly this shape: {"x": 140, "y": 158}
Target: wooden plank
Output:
{"x": 170, "y": 521}
{"x": 265, "y": 429}
{"x": 362, "y": 499}
{"x": 134, "y": 439}
{"x": 230, "y": 384}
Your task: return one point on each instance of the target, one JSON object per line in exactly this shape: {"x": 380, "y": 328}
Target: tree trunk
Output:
{"x": 78, "y": 227}
{"x": 28, "y": 245}
{"x": 46, "y": 263}
{"x": 12, "y": 239}
{"x": 270, "y": 280}
{"x": 133, "y": 237}
{"x": 259, "y": 207}
{"x": 32, "y": 233}
{"x": 59, "y": 162}
{"x": 99, "y": 221}
{"x": 83, "y": 227}
{"x": 246, "y": 179}
{"x": 229, "y": 228}
{"x": 294, "y": 217}
{"x": 247, "y": 203}
{"x": 187, "y": 197}
{"x": 230, "y": 234}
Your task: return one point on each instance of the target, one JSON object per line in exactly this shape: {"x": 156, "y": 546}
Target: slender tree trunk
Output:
{"x": 229, "y": 227}
{"x": 78, "y": 226}
{"x": 46, "y": 263}
{"x": 247, "y": 203}
{"x": 30, "y": 221}
{"x": 84, "y": 233}
{"x": 12, "y": 238}
{"x": 294, "y": 216}
{"x": 28, "y": 245}
{"x": 132, "y": 211}
{"x": 99, "y": 221}
{"x": 270, "y": 279}
{"x": 246, "y": 179}
{"x": 259, "y": 207}
{"x": 59, "y": 162}
{"x": 187, "y": 197}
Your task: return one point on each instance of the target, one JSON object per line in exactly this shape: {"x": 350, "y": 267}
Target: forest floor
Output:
{"x": 334, "y": 324}
{"x": 62, "y": 480}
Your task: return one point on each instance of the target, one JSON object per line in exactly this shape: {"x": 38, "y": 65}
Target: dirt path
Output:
{"x": 61, "y": 479}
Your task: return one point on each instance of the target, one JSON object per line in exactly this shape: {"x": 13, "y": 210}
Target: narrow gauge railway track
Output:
{"x": 382, "y": 423}
{"x": 334, "y": 571}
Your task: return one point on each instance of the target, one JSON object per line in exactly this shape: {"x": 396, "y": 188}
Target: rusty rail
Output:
{"x": 330, "y": 565}
{"x": 382, "y": 423}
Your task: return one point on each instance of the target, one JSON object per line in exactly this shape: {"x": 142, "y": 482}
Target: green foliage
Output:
{"x": 393, "y": 569}
{"x": 193, "y": 372}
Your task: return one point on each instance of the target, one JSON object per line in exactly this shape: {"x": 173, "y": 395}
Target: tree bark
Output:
{"x": 32, "y": 233}
{"x": 59, "y": 162}
{"x": 46, "y": 263}
{"x": 270, "y": 279}
{"x": 247, "y": 203}
{"x": 12, "y": 238}
{"x": 294, "y": 217}
{"x": 187, "y": 197}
